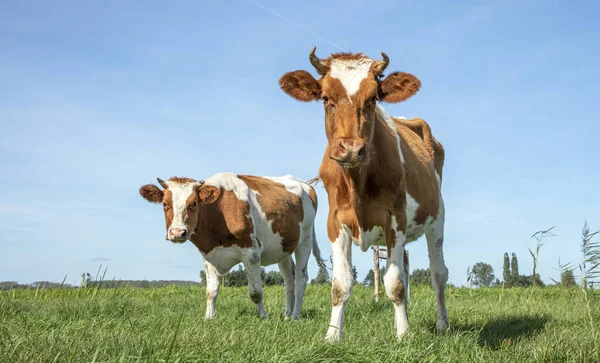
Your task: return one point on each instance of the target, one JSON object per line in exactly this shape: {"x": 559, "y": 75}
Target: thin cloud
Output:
{"x": 295, "y": 24}
{"x": 100, "y": 259}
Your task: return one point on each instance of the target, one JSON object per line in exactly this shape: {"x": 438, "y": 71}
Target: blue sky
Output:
{"x": 100, "y": 98}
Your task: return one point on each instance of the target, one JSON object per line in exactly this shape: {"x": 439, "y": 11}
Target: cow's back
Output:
{"x": 285, "y": 210}
{"x": 423, "y": 163}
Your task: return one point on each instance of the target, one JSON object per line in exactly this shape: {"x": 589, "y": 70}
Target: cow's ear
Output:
{"x": 398, "y": 87}
{"x": 301, "y": 85}
{"x": 208, "y": 194}
{"x": 151, "y": 193}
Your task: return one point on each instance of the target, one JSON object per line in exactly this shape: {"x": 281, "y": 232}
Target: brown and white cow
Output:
{"x": 258, "y": 221}
{"x": 382, "y": 175}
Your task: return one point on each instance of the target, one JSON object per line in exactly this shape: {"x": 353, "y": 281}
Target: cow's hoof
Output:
{"x": 442, "y": 326}
{"x": 333, "y": 335}
{"x": 401, "y": 335}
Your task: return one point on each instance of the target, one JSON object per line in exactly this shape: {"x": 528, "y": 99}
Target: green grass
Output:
{"x": 167, "y": 324}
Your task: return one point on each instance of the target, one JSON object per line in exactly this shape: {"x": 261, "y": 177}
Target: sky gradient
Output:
{"x": 98, "y": 99}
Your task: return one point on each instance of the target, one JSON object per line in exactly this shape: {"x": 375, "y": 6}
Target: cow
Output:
{"x": 258, "y": 221}
{"x": 382, "y": 175}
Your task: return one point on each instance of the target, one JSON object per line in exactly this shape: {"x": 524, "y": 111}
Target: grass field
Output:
{"x": 167, "y": 324}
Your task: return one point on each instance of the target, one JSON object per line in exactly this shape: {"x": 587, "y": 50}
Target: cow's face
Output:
{"x": 349, "y": 88}
{"x": 181, "y": 200}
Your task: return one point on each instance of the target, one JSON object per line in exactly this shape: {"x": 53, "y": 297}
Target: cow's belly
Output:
{"x": 224, "y": 258}
{"x": 414, "y": 230}
{"x": 372, "y": 237}
{"x": 375, "y": 236}
{"x": 272, "y": 251}
{"x": 272, "y": 243}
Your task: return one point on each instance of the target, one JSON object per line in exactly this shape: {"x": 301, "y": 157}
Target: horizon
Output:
{"x": 102, "y": 99}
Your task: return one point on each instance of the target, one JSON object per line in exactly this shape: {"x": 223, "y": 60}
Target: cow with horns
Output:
{"x": 382, "y": 174}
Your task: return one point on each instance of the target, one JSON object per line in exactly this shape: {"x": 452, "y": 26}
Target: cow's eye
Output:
{"x": 165, "y": 206}
{"x": 325, "y": 98}
{"x": 192, "y": 206}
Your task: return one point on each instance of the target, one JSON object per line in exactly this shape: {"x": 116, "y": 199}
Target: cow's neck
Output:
{"x": 352, "y": 188}
{"x": 206, "y": 235}
{"x": 347, "y": 189}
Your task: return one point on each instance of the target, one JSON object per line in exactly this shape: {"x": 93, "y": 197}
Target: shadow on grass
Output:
{"x": 250, "y": 311}
{"x": 501, "y": 331}
{"x": 310, "y": 314}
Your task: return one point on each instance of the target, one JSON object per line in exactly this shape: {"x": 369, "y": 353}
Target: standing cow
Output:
{"x": 258, "y": 221}
{"x": 382, "y": 174}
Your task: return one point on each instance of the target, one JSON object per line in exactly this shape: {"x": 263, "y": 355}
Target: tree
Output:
{"x": 368, "y": 281}
{"x": 567, "y": 279}
{"x": 483, "y": 274}
{"x": 514, "y": 267}
{"x": 236, "y": 277}
{"x": 45, "y": 284}
{"x": 7, "y": 285}
{"x": 370, "y": 278}
{"x": 322, "y": 277}
{"x": 528, "y": 281}
{"x": 506, "y": 269}
{"x": 273, "y": 278}
{"x": 420, "y": 277}
{"x": 202, "y": 278}
{"x": 354, "y": 275}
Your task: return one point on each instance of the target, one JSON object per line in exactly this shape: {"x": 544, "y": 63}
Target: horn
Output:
{"x": 381, "y": 65}
{"x": 321, "y": 68}
{"x": 162, "y": 183}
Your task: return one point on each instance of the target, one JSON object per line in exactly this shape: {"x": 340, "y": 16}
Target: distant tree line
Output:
{"x": 238, "y": 277}
{"x": 8, "y": 285}
{"x": 482, "y": 275}
{"x": 479, "y": 275}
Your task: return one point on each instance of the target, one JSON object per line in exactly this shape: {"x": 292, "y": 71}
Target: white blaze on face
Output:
{"x": 180, "y": 194}
{"x": 350, "y": 72}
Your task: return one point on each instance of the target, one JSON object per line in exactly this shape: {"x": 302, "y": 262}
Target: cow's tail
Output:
{"x": 293, "y": 267}
{"x": 407, "y": 273}
{"x": 314, "y": 181}
{"x": 316, "y": 251}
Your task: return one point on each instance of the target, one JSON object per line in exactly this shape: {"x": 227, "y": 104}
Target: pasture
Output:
{"x": 167, "y": 325}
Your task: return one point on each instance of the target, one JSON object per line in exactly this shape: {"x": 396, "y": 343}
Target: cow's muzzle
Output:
{"x": 348, "y": 153}
{"x": 177, "y": 235}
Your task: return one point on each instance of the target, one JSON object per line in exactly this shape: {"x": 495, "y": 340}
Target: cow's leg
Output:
{"x": 302, "y": 254}
{"x": 255, "y": 290}
{"x": 395, "y": 285}
{"x": 213, "y": 285}
{"x": 439, "y": 272}
{"x": 286, "y": 267}
{"x": 341, "y": 284}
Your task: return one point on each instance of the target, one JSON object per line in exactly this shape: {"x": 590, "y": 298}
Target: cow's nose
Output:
{"x": 178, "y": 233}
{"x": 352, "y": 149}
